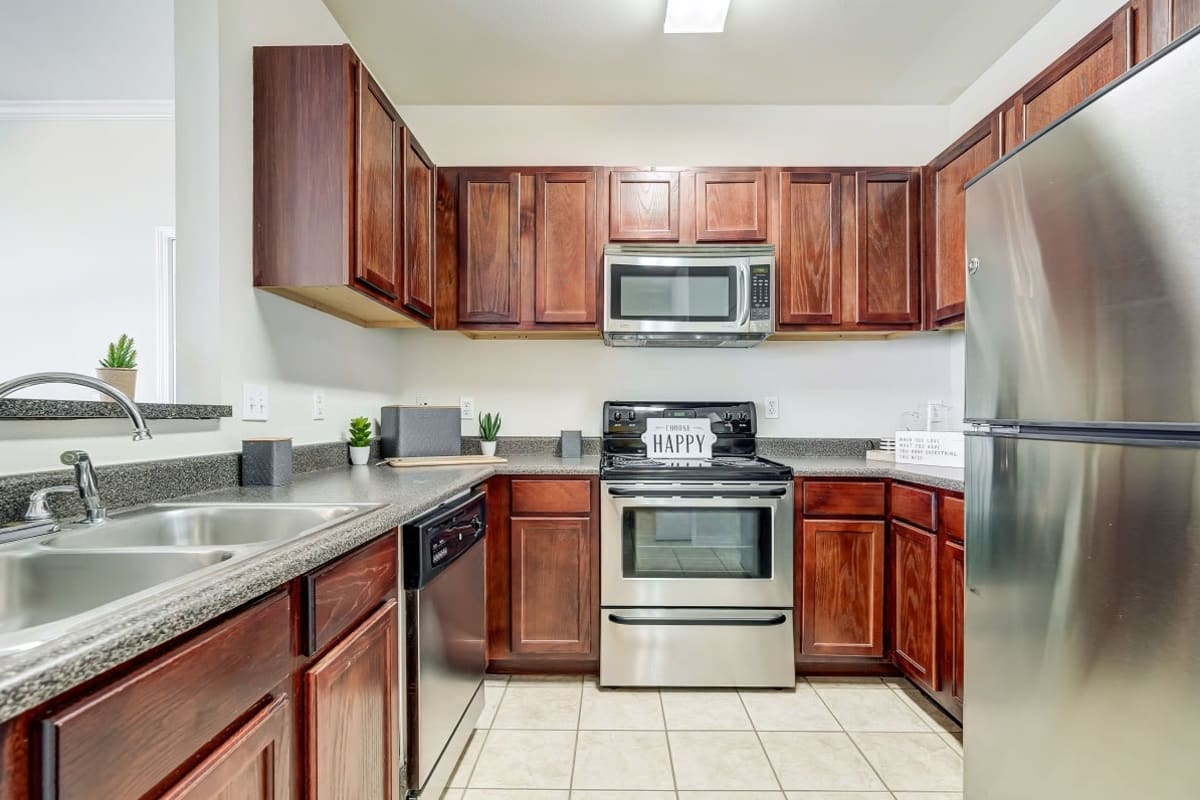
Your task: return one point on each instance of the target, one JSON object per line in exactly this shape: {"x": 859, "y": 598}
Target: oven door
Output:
{"x": 696, "y": 545}
{"x": 676, "y": 294}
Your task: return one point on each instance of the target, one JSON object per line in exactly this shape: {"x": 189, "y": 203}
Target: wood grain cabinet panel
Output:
{"x": 419, "y": 280}
{"x": 914, "y": 603}
{"x": 918, "y": 506}
{"x": 379, "y": 183}
{"x": 571, "y": 496}
{"x": 731, "y": 206}
{"x": 842, "y": 581}
{"x": 1185, "y": 15}
{"x": 952, "y": 517}
{"x": 951, "y": 588}
{"x": 340, "y": 594}
{"x": 489, "y": 248}
{"x": 566, "y": 253}
{"x": 552, "y": 585}
{"x": 255, "y": 763}
{"x": 844, "y": 498}
{"x": 125, "y": 739}
{"x": 809, "y": 267}
{"x": 643, "y": 206}
{"x": 353, "y": 710}
{"x": 946, "y": 216}
{"x": 888, "y": 216}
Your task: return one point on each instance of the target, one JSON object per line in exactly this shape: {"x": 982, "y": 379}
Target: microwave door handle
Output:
{"x": 743, "y": 312}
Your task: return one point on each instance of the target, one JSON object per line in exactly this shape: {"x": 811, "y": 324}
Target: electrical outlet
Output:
{"x": 255, "y": 403}
{"x": 771, "y": 407}
{"x": 318, "y": 404}
{"x": 421, "y": 400}
{"x": 466, "y": 406}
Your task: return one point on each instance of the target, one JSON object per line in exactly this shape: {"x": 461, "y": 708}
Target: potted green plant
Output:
{"x": 489, "y": 429}
{"x": 119, "y": 367}
{"x": 361, "y": 431}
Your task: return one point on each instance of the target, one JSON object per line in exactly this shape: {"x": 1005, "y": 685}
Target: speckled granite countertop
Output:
{"x": 32, "y": 677}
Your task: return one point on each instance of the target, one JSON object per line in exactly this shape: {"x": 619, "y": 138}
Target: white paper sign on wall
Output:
{"x": 678, "y": 438}
{"x": 932, "y": 448}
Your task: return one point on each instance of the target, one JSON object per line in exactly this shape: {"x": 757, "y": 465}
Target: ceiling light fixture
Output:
{"x": 695, "y": 16}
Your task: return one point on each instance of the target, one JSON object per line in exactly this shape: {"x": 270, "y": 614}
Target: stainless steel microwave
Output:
{"x": 688, "y": 295}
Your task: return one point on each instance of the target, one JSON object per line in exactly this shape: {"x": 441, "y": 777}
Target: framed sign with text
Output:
{"x": 678, "y": 438}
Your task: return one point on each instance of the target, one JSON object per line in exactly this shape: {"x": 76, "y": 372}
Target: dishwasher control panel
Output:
{"x": 434, "y": 541}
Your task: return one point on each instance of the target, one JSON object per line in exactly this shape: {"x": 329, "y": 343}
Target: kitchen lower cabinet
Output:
{"x": 353, "y": 709}
{"x": 840, "y": 588}
{"x": 951, "y": 593}
{"x": 914, "y": 603}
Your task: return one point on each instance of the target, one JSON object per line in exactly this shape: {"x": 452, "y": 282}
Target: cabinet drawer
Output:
{"x": 123, "y": 740}
{"x": 552, "y": 497}
{"x": 843, "y": 498}
{"x": 340, "y": 594}
{"x": 918, "y": 506}
{"x": 952, "y": 517}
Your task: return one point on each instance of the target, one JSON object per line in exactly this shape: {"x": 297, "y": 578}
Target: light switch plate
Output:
{"x": 318, "y": 411}
{"x": 255, "y": 402}
{"x": 771, "y": 407}
{"x": 466, "y": 407}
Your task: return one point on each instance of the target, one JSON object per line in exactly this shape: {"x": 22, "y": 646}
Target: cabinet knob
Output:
{"x": 972, "y": 265}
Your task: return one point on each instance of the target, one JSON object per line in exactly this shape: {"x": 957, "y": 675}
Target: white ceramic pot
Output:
{"x": 124, "y": 380}
{"x": 359, "y": 456}
{"x": 489, "y": 448}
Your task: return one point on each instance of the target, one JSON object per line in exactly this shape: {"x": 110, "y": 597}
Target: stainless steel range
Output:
{"x": 695, "y": 551}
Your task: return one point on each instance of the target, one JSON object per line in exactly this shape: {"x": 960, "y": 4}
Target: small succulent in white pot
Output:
{"x": 118, "y": 368}
{"x": 489, "y": 429}
{"x": 361, "y": 431}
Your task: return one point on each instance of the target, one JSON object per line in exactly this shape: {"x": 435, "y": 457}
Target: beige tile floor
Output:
{"x": 828, "y": 739}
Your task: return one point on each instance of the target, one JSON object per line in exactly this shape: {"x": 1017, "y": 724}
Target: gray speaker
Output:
{"x": 409, "y": 431}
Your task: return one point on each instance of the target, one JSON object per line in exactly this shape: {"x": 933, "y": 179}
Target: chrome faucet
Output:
{"x": 140, "y": 431}
{"x": 86, "y": 484}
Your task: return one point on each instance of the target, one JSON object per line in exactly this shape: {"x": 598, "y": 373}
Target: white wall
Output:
{"x": 838, "y": 388}
{"x": 246, "y": 335}
{"x": 79, "y": 203}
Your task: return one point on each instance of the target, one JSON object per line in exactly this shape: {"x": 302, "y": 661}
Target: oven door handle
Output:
{"x": 774, "y": 619}
{"x": 704, "y": 494}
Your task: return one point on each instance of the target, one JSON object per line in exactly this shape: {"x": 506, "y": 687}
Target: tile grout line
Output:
{"x": 858, "y": 749}
{"x": 761, "y": 746}
{"x": 575, "y": 745}
{"x": 662, "y": 708}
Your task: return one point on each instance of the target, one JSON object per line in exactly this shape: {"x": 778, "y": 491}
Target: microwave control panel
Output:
{"x": 760, "y": 292}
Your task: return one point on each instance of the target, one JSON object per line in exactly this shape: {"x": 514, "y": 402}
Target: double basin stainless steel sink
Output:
{"x": 63, "y": 580}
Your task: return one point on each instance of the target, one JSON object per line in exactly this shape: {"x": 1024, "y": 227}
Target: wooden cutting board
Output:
{"x": 444, "y": 461}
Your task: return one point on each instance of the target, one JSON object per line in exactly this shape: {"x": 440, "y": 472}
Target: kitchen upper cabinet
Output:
{"x": 841, "y": 588}
{"x": 914, "y": 602}
{"x": 330, "y": 223}
{"x": 731, "y": 206}
{"x": 489, "y": 247}
{"x": 888, "y": 230}
{"x": 353, "y": 708}
{"x": 946, "y": 218}
{"x": 255, "y": 763}
{"x": 1099, "y": 58}
{"x": 566, "y": 254}
{"x": 643, "y": 206}
{"x": 809, "y": 254}
{"x": 419, "y": 276}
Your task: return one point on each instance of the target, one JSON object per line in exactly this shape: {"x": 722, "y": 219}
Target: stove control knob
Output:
{"x": 728, "y": 416}
{"x": 616, "y": 416}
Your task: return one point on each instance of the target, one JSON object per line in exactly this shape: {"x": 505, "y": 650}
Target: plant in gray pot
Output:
{"x": 119, "y": 367}
{"x": 489, "y": 429}
{"x": 361, "y": 432}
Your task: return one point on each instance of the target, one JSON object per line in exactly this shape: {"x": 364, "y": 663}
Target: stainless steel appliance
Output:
{"x": 444, "y": 642}
{"x": 695, "y": 555}
{"x": 1083, "y": 472}
{"x": 712, "y": 295}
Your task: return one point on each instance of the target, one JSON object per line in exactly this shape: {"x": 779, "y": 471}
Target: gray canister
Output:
{"x": 571, "y": 444}
{"x": 266, "y": 462}
{"x": 409, "y": 431}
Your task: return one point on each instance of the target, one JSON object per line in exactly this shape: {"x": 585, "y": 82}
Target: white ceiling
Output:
{"x": 87, "y": 49}
{"x": 614, "y": 51}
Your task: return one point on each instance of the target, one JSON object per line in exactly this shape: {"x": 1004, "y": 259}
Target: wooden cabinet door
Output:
{"x": 643, "y": 206}
{"x": 946, "y": 215}
{"x": 489, "y": 247}
{"x": 731, "y": 206}
{"x": 1091, "y": 64}
{"x": 842, "y": 588}
{"x": 353, "y": 714}
{"x": 552, "y": 599}
{"x": 418, "y": 229}
{"x": 809, "y": 269}
{"x": 1182, "y": 16}
{"x": 565, "y": 251}
{"x": 914, "y": 602}
{"x": 888, "y": 218}
{"x": 951, "y": 589}
{"x": 255, "y": 763}
{"x": 379, "y": 202}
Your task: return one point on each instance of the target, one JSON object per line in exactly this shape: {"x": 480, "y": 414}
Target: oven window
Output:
{"x": 696, "y": 543}
{"x": 682, "y": 294}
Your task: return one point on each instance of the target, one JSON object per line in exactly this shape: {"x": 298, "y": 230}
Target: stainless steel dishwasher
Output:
{"x": 444, "y": 638}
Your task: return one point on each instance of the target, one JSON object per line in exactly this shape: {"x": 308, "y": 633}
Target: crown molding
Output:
{"x": 87, "y": 109}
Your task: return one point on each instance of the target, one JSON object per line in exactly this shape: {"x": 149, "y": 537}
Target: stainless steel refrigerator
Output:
{"x": 1082, "y": 675}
